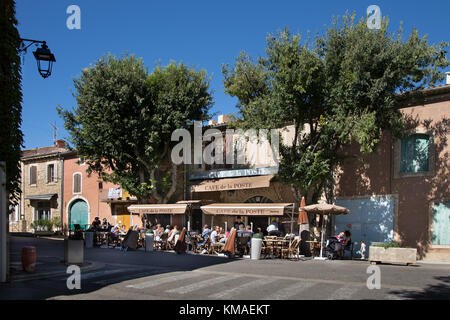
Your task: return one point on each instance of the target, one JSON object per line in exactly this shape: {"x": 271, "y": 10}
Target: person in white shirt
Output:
{"x": 214, "y": 234}
{"x": 272, "y": 229}
{"x": 362, "y": 250}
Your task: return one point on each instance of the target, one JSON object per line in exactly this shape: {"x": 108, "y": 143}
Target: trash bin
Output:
{"x": 28, "y": 259}
{"x": 256, "y": 248}
{"x": 149, "y": 242}
{"x": 89, "y": 239}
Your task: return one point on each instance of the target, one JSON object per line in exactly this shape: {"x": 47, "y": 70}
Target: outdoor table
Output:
{"x": 102, "y": 236}
{"x": 276, "y": 245}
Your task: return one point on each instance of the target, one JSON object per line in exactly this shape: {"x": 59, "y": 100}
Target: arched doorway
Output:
{"x": 79, "y": 214}
{"x": 258, "y": 222}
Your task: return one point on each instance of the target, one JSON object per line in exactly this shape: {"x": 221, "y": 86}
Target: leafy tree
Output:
{"x": 125, "y": 117}
{"x": 341, "y": 88}
{"x": 11, "y": 137}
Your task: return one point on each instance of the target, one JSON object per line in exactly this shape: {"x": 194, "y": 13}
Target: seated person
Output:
{"x": 158, "y": 232}
{"x": 259, "y": 231}
{"x": 339, "y": 247}
{"x": 238, "y": 222}
{"x": 214, "y": 234}
{"x": 168, "y": 228}
{"x": 240, "y": 247}
{"x": 222, "y": 236}
{"x": 115, "y": 232}
{"x": 105, "y": 224}
{"x": 172, "y": 234}
{"x": 272, "y": 229}
{"x": 96, "y": 224}
{"x": 205, "y": 234}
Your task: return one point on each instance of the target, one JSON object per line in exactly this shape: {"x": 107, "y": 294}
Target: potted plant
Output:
{"x": 256, "y": 244}
{"x": 42, "y": 227}
{"x": 74, "y": 247}
{"x": 391, "y": 252}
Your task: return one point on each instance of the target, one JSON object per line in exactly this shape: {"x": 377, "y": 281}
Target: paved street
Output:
{"x": 165, "y": 275}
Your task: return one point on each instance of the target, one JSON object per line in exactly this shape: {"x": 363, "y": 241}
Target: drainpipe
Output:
{"x": 62, "y": 191}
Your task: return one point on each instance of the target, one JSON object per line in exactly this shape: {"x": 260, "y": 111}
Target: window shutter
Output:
{"x": 55, "y": 172}
{"x": 77, "y": 183}
{"x": 33, "y": 175}
{"x": 48, "y": 173}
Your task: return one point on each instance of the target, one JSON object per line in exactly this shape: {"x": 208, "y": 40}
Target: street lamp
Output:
{"x": 43, "y": 55}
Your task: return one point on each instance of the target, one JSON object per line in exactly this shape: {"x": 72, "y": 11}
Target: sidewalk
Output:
{"x": 49, "y": 259}
{"x": 47, "y": 267}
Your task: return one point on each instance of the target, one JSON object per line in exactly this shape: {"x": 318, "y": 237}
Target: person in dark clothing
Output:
{"x": 96, "y": 223}
{"x": 238, "y": 222}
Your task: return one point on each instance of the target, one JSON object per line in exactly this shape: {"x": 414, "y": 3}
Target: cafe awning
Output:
{"x": 174, "y": 208}
{"x": 233, "y": 183}
{"x": 247, "y": 209}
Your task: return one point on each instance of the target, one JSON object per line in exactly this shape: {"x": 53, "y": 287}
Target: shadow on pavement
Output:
{"x": 117, "y": 266}
{"x": 440, "y": 291}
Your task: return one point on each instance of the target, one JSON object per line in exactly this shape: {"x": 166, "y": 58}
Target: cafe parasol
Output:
{"x": 324, "y": 209}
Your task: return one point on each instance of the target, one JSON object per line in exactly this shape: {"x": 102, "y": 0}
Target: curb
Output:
{"x": 41, "y": 276}
{"x": 433, "y": 262}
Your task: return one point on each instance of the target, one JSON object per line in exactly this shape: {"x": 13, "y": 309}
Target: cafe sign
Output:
{"x": 232, "y": 184}
{"x": 158, "y": 208}
{"x": 246, "y": 209}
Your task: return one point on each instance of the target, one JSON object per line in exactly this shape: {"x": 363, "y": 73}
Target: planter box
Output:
{"x": 73, "y": 251}
{"x": 392, "y": 255}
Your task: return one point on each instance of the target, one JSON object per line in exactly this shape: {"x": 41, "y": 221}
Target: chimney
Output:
{"x": 223, "y": 119}
{"x": 60, "y": 143}
{"x": 448, "y": 77}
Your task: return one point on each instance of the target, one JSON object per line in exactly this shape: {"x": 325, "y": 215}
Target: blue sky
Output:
{"x": 202, "y": 34}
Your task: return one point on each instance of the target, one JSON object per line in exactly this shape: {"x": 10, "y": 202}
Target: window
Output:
{"x": 415, "y": 154}
{"x": 82, "y": 161}
{"x": 42, "y": 210}
{"x": 77, "y": 182}
{"x": 32, "y": 178}
{"x": 51, "y": 173}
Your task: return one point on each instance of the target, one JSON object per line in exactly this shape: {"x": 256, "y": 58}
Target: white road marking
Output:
{"x": 202, "y": 284}
{"x": 290, "y": 291}
{"x": 343, "y": 293}
{"x": 233, "y": 292}
{"x": 167, "y": 279}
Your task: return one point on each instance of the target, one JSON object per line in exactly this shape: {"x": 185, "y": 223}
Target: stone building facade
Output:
{"x": 41, "y": 186}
